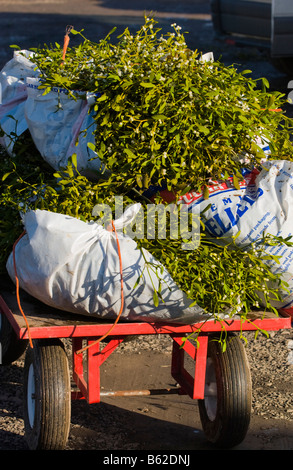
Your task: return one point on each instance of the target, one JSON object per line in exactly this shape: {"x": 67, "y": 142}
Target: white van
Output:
{"x": 264, "y": 22}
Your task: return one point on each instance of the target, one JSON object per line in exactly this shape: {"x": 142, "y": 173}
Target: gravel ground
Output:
{"x": 163, "y": 422}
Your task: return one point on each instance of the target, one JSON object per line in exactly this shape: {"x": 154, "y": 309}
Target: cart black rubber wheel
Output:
{"x": 226, "y": 409}
{"x": 11, "y": 347}
{"x": 47, "y": 395}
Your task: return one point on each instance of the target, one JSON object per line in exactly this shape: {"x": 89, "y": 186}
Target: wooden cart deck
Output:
{"x": 45, "y": 321}
{"x": 47, "y": 326}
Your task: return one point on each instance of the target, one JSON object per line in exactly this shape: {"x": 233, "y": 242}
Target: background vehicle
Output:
{"x": 267, "y": 23}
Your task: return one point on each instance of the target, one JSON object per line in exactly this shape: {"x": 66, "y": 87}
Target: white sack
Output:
{"x": 56, "y": 120}
{"x": 74, "y": 266}
{"x": 264, "y": 204}
{"x": 13, "y": 96}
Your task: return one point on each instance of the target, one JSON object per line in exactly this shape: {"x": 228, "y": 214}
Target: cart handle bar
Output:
{"x": 17, "y": 288}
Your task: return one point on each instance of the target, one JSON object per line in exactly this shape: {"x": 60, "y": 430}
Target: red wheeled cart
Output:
{"x": 220, "y": 381}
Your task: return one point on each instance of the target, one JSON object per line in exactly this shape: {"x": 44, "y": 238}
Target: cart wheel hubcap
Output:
{"x": 31, "y": 402}
{"x": 210, "y": 391}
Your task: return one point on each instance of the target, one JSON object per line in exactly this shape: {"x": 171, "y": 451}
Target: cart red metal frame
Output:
{"x": 88, "y": 382}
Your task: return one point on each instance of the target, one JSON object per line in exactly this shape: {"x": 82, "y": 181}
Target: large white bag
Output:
{"x": 13, "y": 96}
{"x": 74, "y": 266}
{"x": 59, "y": 125}
{"x": 263, "y": 204}
{"x": 56, "y": 121}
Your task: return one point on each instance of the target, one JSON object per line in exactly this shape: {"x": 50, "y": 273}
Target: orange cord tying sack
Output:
{"x": 122, "y": 295}
{"x": 277, "y": 110}
{"x": 122, "y": 298}
{"x": 66, "y": 42}
{"x": 17, "y": 289}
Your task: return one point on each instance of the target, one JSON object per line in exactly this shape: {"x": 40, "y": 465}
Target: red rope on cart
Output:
{"x": 122, "y": 297}
{"x": 277, "y": 110}
{"x": 66, "y": 42}
{"x": 17, "y": 289}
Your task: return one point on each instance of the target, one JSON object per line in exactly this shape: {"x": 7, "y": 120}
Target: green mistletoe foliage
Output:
{"x": 165, "y": 117}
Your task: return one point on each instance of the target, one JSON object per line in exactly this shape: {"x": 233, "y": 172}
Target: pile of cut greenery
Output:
{"x": 163, "y": 117}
